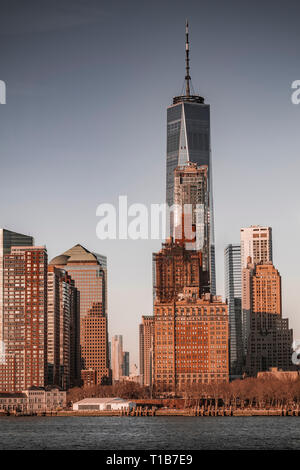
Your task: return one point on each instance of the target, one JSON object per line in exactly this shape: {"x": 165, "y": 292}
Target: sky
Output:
{"x": 88, "y": 83}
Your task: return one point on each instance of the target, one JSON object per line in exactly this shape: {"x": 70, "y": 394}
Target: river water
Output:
{"x": 153, "y": 433}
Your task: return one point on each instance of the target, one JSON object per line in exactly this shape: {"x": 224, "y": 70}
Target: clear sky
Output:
{"x": 88, "y": 83}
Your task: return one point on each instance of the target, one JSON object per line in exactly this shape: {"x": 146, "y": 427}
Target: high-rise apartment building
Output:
{"x": 233, "y": 294}
{"x": 89, "y": 272}
{"x": 7, "y": 240}
{"x": 146, "y": 332}
{"x": 267, "y": 337}
{"x": 24, "y": 318}
{"x": 63, "y": 337}
{"x": 256, "y": 242}
{"x": 117, "y": 357}
{"x": 188, "y": 140}
{"x": 190, "y": 341}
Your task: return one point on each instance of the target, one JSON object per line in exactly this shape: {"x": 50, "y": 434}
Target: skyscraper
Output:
{"x": 233, "y": 294}
{"x": 117, "y": 357}
{"x": 88, "y": 270}
{"x": 268, "y": 337}
{"x": 146, "y": 349}
{"x": 63, "y": 332}
{"x": 24, "y": 318}
{"x": 7, "y": 240}
{"x": 256, "y": 242}
{"x": 188, "y": 140}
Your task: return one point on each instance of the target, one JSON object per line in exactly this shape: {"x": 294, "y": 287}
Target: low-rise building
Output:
{"x": 11, "y": 402}
{"x": 45, "y": 399}
{"x": 103, "y": 404}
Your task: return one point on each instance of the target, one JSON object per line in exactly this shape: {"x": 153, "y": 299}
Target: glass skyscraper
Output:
{"x": 188, "y": 140}
{"x": 233, "y": 294}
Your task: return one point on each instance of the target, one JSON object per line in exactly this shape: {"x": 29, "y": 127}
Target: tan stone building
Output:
{"x": 267, "y": 337}
{"x": 146, "y": 349}
{"x": 190, "y": 341}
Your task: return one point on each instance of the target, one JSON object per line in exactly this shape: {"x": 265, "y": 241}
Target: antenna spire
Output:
{"x": 187, "y": 60}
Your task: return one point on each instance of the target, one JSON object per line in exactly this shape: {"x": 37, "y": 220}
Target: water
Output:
{"x": 154, "y": 433}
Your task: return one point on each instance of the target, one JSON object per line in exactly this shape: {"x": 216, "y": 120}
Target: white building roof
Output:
{"x": 99, "y": 401}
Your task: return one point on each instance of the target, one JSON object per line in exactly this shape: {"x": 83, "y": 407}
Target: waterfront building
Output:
{"x": 103, "y": 404}
{"x": 233, "y": 295}
{"x": 24, "y": 320}
{"x": 146, "y": 331}
{"x": 89, "y": 272}
{"x": 190, "y": 341}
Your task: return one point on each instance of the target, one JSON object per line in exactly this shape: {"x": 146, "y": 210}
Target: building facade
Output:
{"x": 190, "y": 341}
{"x": 233, "y": 295}
{"x": 268, "y": 339}
{"x": 177, "y": 267}
{"x": 63, "y": 336}
{"x": 117, "y": 357}
{"x": 7, "y": 240}
{"x": 89, "y": 272}
{"x": 146, "y": 331}
{"x": 256, "y": 242}
{"x": 24, "y": 319}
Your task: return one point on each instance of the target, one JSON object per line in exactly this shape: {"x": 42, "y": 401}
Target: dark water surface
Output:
{"x": 121, "y": 433}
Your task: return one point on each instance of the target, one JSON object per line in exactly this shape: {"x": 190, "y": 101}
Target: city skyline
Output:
{"x": 264, "y": 136}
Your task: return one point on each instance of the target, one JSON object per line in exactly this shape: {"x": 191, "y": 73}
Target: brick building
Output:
{"x": 24, "y": 320}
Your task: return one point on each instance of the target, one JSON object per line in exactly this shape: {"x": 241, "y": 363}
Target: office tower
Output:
{"x": 125, "y": 364}
{"x": 268, "y": 339}
{"x": 24, "y": 318}
{"x": 94, "y": 346}
{"x": 190, "y": 341}
{"x": 191, "y": 213}
{"x": 88, "y": 270}
{"x": 146, "y": 331}
{"x": 7, "y": 240}
{"x": 63, "y": 338}
{"x": 116, "y": 357}
{"x": 188, "y": 140}
{"x": 256, "y": 242}
{"x": 177, "y": 267}
{"x": 233, "y": 294}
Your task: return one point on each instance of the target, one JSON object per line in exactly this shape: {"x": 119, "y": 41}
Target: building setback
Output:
{"x": 24, "y": 319}
{"x": 89, "y": 272}
{"x": 256, "y": 242}
{"x": 267, "y": 337}
{"x": 175, "y": 268}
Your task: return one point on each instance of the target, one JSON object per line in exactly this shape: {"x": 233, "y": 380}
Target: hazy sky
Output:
{"x": 88, "y": 83}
